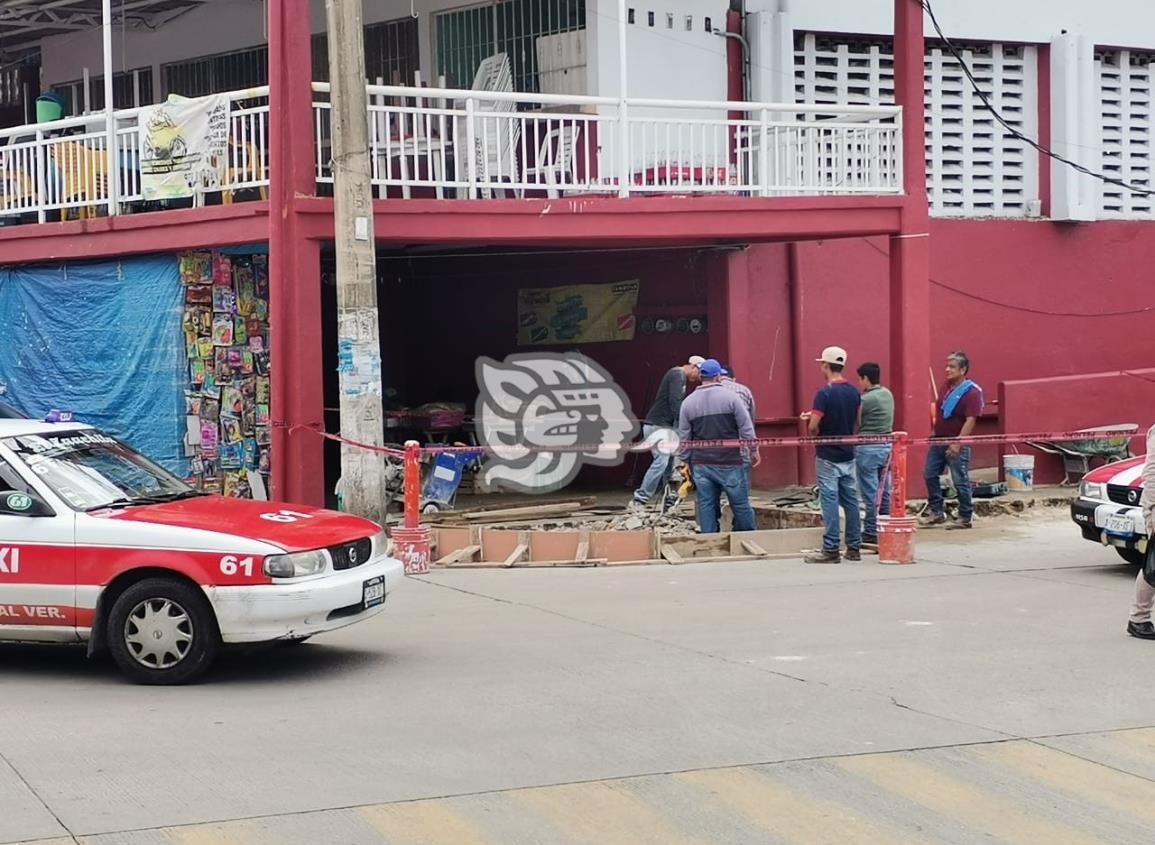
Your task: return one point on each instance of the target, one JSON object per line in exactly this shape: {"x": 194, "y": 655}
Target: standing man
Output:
{"x": 958, "y": 412}
{"x": 714, "y": 413}
{"x": 872, "y": 460}
{"x": 664, "y": 413}
{"x": 750, "y": 457}
{"x": 1139, "y": 624}
{"x": 835, "y": 414}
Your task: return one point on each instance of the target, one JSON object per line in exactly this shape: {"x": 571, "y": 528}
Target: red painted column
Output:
{"x": 294, "y": 263}
{"x": 910, "y": 349}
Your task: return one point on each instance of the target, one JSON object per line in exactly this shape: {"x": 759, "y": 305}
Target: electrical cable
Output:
{"x": 1013, "y": 131}
{"x": 1024, "y": 308}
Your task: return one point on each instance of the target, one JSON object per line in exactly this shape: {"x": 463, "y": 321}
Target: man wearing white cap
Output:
{"x": 664, "y": 413}
{"x": 835, "y": 414}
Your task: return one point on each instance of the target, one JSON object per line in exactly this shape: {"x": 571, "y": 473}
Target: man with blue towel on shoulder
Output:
{"x": 958, "y": 412}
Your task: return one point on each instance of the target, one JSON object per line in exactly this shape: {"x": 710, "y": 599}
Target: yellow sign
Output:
{"x": 576, "y": 314}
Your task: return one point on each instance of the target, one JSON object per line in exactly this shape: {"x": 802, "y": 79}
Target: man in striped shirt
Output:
{"x": 714, "y": 413}
{"x": 750, "y": 457}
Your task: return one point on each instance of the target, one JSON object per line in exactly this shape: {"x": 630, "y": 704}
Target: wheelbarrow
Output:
{"x": 1109, "y": 443}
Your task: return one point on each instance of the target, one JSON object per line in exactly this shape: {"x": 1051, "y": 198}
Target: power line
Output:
{"x": 1014, "y": 131}
{"x": 1147, "y": 309}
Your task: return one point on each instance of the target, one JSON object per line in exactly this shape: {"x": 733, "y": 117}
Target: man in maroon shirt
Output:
{"x": 959, "y": 408}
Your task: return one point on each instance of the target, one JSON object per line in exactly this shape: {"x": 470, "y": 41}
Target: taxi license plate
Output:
{"x": 373, "y": 592}
{"x": 1118, "y": 524}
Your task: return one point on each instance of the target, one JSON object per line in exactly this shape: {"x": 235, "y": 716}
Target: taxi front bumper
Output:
{"x": 293, "y": 610}
{"x": 1110, "y": 524}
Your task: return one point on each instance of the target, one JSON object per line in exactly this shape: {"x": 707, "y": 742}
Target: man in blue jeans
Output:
{"x": 712, "y": 412}
{"x": 958, "y": 412}
{"x": 664, "y": 413}
{"x": 835, "y": 414}
{"x": 872, "y": 460}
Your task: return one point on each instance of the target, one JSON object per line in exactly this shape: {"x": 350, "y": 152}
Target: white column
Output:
{"x": 623, "y": 106}
{"x": 110, "y": 111}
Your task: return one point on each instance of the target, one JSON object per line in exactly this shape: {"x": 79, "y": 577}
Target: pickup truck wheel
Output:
{"x": 1132, "y": 556}
{"x": 162, "y": 631}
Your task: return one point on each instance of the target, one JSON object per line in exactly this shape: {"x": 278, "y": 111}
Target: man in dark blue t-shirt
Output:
{"x": 835, "y": 414}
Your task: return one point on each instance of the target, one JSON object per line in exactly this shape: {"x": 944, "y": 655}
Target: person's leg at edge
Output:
{"x": 738, "y": 494}
{"x": 656, "y": 474}
{"x": 827, "y": 473}
{"x": 848, "y": 498}
{"x": 935, "y": 462}
{"x": 960, "y": 471}
{"x": 709, "y": 498}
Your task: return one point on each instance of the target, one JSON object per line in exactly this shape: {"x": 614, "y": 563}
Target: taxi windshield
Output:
{"x": 90, "y": 470}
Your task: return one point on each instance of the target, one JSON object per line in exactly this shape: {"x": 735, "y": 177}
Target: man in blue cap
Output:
{"x": 713, "y": 412}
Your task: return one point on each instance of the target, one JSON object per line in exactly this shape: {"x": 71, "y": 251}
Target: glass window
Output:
{"x": 90, "y": 470}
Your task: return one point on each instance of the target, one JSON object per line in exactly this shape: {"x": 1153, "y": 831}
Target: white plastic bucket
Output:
{"x": 1019, "y": 471}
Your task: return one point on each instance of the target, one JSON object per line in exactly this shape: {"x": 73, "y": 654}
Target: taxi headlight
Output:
{"x": 1092, "y": 491}
{"x": 295, "y": 565}
{"x": 380, "y": 541}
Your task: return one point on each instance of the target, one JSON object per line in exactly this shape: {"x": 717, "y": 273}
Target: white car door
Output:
{"x": 37, "y": 563}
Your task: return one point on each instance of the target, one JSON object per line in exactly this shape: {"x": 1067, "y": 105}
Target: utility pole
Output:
{"x": 358, "y": 336}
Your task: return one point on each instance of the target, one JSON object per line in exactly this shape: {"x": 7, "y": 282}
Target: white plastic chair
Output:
{"x": 555, "y": 161}
{"x": 496, "y": 131}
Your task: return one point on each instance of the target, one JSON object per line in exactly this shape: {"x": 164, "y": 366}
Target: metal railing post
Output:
{"x": 471, "y": 148}
{"x": 764, "y": 155}
{"x": 41, "y": 178}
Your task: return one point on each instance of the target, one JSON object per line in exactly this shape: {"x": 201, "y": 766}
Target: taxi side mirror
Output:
{"x": 15, "y": 503}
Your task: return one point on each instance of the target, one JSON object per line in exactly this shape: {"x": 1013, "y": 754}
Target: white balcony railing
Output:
{"x": 63, "y": 168}
{"x": 471, "y": 144}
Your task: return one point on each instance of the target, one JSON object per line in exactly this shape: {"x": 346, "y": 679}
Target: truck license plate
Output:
{"x": 373, "y": 592}
{"x": 1119, "y": 524}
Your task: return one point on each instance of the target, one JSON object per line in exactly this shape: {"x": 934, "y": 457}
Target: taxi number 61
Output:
{"x": 231, "y": 565}
{"x": 285, "y": 516}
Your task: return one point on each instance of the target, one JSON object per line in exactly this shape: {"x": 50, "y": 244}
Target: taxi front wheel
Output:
{"x": 162, "y": 631}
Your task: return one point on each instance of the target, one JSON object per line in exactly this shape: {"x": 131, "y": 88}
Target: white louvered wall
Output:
{"x": 1125, "y": 79}
{"x": 974, "y": 167}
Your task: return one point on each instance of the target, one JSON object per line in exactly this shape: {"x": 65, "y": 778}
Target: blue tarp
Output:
{"x": 103, "y": 340}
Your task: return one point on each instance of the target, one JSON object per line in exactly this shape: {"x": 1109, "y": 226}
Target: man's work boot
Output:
{"x": 1142, "y": 630}
{"x": 823, "y": 556}
{"x": 854, "y": 554}
{"x": 959, "y": 524}
{"x": 931, "y": 520}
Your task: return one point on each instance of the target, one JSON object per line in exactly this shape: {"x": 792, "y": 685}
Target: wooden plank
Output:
{"x": 521, "y": 551}
{"x": 752, "y": 548}
{"x": 589, "y": 561}
{"x": 466, "y": 513}
{"x": 670, "y": 555}
{"x": 531, "y": 511}
{"x": 466, "y": 553}
{"x": 583, "y": 549}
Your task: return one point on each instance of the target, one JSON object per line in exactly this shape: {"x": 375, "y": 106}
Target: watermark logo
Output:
{"x": 542, "y": 416}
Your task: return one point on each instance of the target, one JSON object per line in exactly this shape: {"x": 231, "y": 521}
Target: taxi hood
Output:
{"x": 294, "y": 528}
{"x": 1127, "y": 473}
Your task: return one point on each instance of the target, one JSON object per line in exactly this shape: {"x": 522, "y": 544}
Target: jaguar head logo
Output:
{"x": 543, "y": 415}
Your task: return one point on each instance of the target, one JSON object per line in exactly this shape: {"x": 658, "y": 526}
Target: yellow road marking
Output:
{"x": 423, "y": 823}
{"x": 969, "y": 805}
{"x": 227, "y": 833}
{"x": 789, "y": 814}
{"x": 1115, "y": 790}
{"x": 604, "y": 813}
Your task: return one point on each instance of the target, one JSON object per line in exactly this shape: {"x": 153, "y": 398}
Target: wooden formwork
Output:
{"x": 478, "y": 546}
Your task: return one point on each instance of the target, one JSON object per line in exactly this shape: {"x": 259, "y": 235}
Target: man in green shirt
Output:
{"x": 875, "y": 416}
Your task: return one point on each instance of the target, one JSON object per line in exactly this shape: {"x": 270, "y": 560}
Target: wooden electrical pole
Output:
{"x": 358, "y": 336}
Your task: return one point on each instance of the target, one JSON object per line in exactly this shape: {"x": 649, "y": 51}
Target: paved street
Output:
{"x": 988, "y": 693}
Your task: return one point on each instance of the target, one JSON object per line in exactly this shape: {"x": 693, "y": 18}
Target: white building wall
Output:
{"x": 220, "y": 26}
{"x": 1121, "y": 23}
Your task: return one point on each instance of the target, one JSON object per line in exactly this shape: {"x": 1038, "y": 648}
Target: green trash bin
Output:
{"x": 49, "y": 107}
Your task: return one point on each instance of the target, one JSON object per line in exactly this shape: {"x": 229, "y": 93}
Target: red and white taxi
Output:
{"x": 1107, "y": 508}
{"x": 100, "y": 545}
